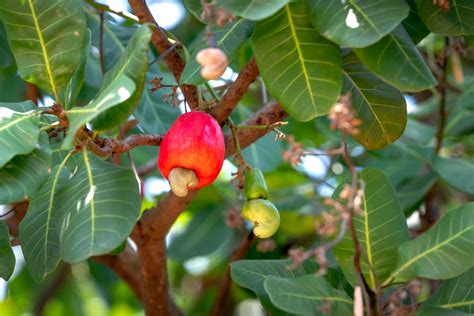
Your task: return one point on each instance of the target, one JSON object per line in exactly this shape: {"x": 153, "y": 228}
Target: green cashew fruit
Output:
{"x": 263, "y": 215}
{"x": 255, "y": 185}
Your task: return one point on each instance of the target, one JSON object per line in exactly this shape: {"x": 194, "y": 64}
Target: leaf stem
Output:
{"x": 442, "y": 98}
{"x": 233, "y": 130}
{"x": 101, "y": 41}
{"x": 49, "y": 126}
{"x": 369, "y": 299}
{"x": 211, "y": 91}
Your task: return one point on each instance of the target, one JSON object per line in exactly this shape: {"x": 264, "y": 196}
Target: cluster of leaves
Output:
{"x": 308, "y": 53}
{"x": 297, "y": 47}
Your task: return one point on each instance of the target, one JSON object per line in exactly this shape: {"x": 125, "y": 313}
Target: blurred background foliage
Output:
{"x": 201, "y": 242}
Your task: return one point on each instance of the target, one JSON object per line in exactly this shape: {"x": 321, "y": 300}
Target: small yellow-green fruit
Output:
{"x": 255, "y": 185}
{"x": 263, "y": 215}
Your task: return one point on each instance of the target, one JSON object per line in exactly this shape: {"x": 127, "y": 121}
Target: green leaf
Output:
{"x": 456, "y": 21}
{"x": 252, "y": 9}
{"x": 301, "y": 69}
{"x": 413, "y": 191}
{"x": 398, "y": 62}
{"x": 204, "y": 234}
{"x": 24, "y": 106}
{"x": 439, "y": 311}
{"x": 47, "y": 50}
{"x": 380, "y": 107}
{"x": 6, "y": 57}
{"x": 251, "y": 274}
{"x": 228, "y": 38}
{"x": 457, "y": 172}
{"x": 400, "y": 161}
{"x": 456, "y": 293}
{"x": 195, "y": 7}
{"x": 306, "y": 295}
{"x": 264, "y": 154}
{"x": 13, "y": 87}
{"x": 414, "y": 25}
{"x": 101, "y": 203}
{"x": 115, "y": 37}
{"x": 442, "y": 252}
{"x": 357, "y": 23}
{"x": 19, "y": 132}
{"x": 153, "y": 113}
{"x": 39, "y": 229}
{"x": 23, "y": 175}
{"x": 7, "y": 257}
{"x": 133, "y": 63}
{"x": 337, "y": 280}
{"x": 380, "y": 230}
{"x": 77, "y": 80}
{"x": 114, "y": 94}
{"x": 418, "y": 133}
{"x": 460, "y": 123}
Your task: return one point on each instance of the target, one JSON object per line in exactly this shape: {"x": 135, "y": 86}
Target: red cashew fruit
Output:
{"x": 192, "y": 152}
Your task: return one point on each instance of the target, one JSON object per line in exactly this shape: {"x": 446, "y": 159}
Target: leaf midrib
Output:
{"x": 92, "y": 203}
{"x": 369, "y": 104}
{"x": 455, "y": 5}
{"x": 16, "y": 121}
{"x": 430, "y": 250}
{"x": 229, "y": 32}
{"x": 51, "y": 205}
{"x": 45, "y": 52}
{"x": 300, "y": 55}
{"x": 394, "y": 39}
{"x": 368, "y": 246}
{"x": 318, "y": 298}
{"x": 457, "y": 304}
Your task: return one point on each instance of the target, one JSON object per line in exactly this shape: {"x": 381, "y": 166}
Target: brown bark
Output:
{"x": 236, "y": 91}
{"x": 13, "y": 220}
{"x": 162, "y": 44}
{"x": 32, "y": 93}
{"x": 268, "y": 115}
{"x": 149, "y": 235}
{"x": 126, "y": 266}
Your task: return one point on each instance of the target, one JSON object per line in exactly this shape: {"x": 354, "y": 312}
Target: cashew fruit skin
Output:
{"x": 194, "y": 141}
{"x": 263, "y": 215}
{"x": 255, "y": 185}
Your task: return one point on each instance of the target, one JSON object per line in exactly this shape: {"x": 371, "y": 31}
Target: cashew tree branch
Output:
{"x": 236, "y": 91}
{"x": 163, "y": 46}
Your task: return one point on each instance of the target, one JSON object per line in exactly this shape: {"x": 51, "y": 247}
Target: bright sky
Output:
{"x": 167, "y": 13}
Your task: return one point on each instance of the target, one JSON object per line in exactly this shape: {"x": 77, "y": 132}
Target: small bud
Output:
{"x": 294, "y": 153}
{"x": 266, "y": 245}
{"x": 234, "y": 218}
{"x": 213, "y": 61}
{"x": 442, "y": 4}
{"x": 342, "y": 116}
